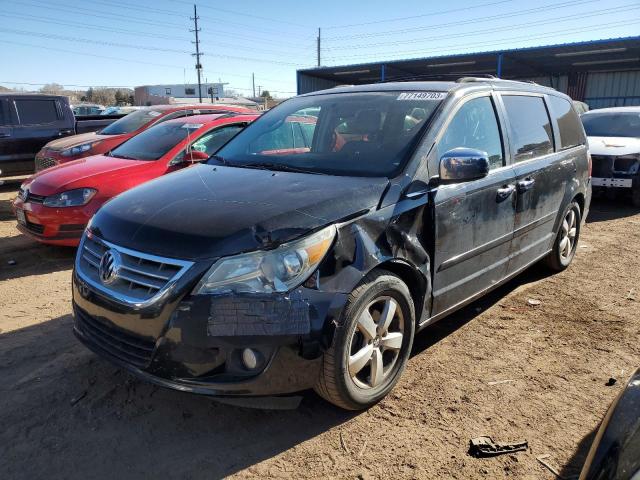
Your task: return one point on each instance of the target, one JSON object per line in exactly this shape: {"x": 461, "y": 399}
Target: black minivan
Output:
{"x": 309, "y": 251}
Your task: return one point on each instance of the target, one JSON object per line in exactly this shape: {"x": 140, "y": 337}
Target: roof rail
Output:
{"x": 492, "y": 79}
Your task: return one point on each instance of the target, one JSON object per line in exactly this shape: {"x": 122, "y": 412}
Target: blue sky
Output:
{"x": 129, "y": 43}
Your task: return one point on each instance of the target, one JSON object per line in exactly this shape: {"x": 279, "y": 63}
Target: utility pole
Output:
{"x": 253, "y": 82}
{"x": 197, "y": 54}
{"x": 318, "y": 46}
{"x": 259, "y": 87}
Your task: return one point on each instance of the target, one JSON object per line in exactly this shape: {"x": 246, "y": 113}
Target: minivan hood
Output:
{"x": 615, "y": 146}
{"x": 75, "y": 140}
{"x": 208, "y": 212}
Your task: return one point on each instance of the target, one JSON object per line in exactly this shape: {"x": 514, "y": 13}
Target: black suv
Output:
{"x": 276, "y": 267}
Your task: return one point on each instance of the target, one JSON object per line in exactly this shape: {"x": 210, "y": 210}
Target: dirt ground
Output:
{"x": 66, "y": 413}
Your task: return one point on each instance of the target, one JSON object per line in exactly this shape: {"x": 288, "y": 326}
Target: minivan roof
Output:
{"x": 461, "y": 84}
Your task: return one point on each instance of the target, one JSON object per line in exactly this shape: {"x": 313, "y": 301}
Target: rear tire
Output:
{"x": 566, "y": 243}
{"x": 371, "y": 344}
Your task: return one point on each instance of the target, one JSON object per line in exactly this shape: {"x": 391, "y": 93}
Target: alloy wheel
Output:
{"x": 376, "y": 343}
{"x": 569, "y": 230}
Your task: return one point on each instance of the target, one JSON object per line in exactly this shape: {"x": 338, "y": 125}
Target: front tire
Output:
{"x": 566, "y": 243}
{"x": 371, "y": 344}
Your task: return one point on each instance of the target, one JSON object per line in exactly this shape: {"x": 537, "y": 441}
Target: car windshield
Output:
{"x": 156, "y": 141}
{"x": 368, "y": 134}
{"x": 131, "y": 122}
{"x": 612, "y": 124}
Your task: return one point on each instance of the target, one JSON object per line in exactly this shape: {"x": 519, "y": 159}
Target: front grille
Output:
{"x": 115, "y": 341}
{"x": 141, "y": 276}
{"x": 602, "y": 166}
{"x": 43, "y": 163}
{"x": 34, "y": 228}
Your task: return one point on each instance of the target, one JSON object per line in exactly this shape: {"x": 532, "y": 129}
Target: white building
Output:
{"x": 153, "y": 94}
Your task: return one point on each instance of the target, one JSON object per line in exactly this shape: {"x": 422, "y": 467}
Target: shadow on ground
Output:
{"x": 604, "y": 209}
{"x": 64, "y": 411}
{"x": 441, "y": 329}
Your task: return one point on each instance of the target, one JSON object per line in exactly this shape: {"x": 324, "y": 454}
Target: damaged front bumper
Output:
{"x": 199, "y": 343}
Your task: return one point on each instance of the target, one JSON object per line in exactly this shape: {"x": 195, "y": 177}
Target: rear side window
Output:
{"x": 571, "y": 134}
{"x": 36, "y": 111}
{"x": 530, "y": 130}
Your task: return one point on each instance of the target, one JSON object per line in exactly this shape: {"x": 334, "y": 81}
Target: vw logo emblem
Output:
{"x": 24, "y": 194}
{"x": 110, "y": 264}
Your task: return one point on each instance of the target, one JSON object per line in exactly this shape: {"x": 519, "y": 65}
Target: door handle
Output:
{"x": 505, "y": 192}
{"x": 65, "y": 132}
{"x": 526, "y": 184}
{"x": 4, "y": 135}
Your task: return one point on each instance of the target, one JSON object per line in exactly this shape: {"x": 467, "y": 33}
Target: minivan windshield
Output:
{"x": 156, "y": 141}
{"x": 131, "y": 122}
{"x": 367, "y": 134}
{"x": 612, "y": 124}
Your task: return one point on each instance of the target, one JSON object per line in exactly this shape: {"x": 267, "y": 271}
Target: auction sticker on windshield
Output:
{"x": 422, "y": 96}
{"x": 153, "y": 113}
{"x": 192, "y": 126}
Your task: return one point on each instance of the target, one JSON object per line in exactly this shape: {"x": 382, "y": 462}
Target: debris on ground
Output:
{"x": 543, "y": 460}
{"x": 486, "y": 447}
{"x": 611, "y": 382}
{"x": 534, "y": 302}
{"x": 343, "y": 443}
{"x": 498, "y": 382}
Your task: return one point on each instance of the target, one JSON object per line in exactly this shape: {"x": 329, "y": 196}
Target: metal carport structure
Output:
{"x": 600, "y": 72}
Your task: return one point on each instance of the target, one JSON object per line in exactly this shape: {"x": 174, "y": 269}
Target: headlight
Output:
{"x": 71, "y": 198}
{"x": 277, "y": 270}
{"x": 70, "y": 152}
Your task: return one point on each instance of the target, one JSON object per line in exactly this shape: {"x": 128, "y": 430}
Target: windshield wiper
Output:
{"x": 278, "y": 167}
{"x": 125, "y": 157}
{"x": 218, "y": 158}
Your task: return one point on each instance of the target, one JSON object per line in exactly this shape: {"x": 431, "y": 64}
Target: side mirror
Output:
{"x": 195, "y": 156}
{"x": 463, "y": 165}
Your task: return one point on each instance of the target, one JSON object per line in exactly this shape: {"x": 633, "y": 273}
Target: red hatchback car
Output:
{"x": 86, "y": 144}
{"x": 55, "y": 205}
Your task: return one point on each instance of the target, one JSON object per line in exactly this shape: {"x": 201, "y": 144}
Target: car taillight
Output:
{"x": 590, "y": 163}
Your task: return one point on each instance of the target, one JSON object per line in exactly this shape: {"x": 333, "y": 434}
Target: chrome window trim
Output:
{"x": 136, "y": 303}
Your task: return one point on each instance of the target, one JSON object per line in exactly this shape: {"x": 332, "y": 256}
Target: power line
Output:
{"x": 411, "y": 17}
{"x": 137, "y": 21}
{"x": 173, "y": 13}
{"x": 503, "y": 41}
{"x": 93, "y": 27}
{"x": 622, "y": 8}
{"x": 88, "y": 40}
{"x": 40, "y": 47}
{"x": 248, "y": 15}
{"x": 553, "y": 6}
{"x": 141, "y": 47}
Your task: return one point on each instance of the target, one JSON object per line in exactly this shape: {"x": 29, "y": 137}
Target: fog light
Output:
{"x": 249, "y": 358}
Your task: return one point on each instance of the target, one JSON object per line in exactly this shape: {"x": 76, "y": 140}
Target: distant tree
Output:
{"x": 265, "y": 94}
{"x": 103, "y": 96}
{"x": 121, "y": 97}
{"x": 52, "y": 88}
